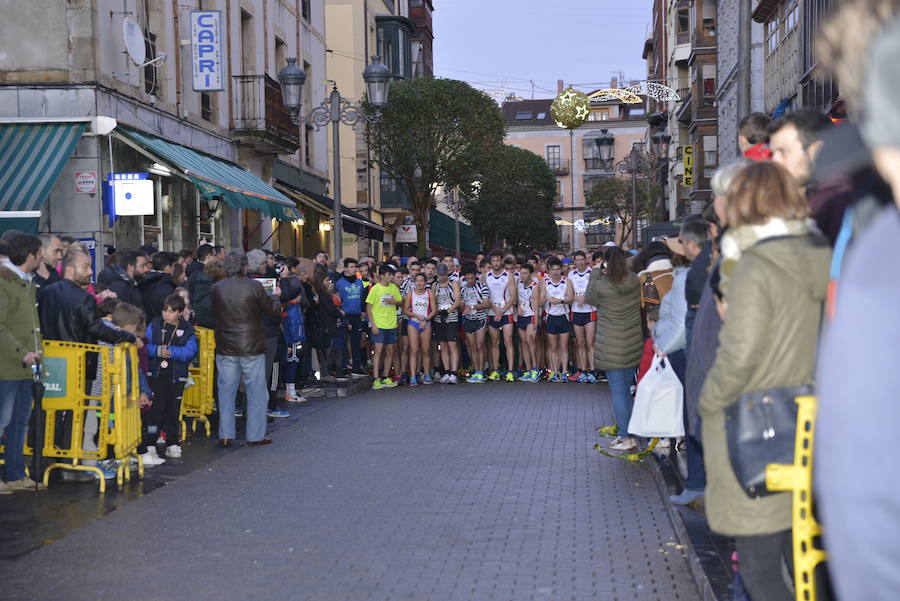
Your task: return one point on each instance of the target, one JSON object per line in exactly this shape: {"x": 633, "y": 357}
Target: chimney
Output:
{"x": 614, "y": 83}
{"x": 559, "y": 86}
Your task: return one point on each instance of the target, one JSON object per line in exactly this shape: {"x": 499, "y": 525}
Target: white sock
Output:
{"x": 291, "y": 389}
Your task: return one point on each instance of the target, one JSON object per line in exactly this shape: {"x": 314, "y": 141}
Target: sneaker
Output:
{"x": 388, "y": 383}
{"x": 414, "y": 381}
{"x": 27, "y": 483}
{"x": 294, "y": 398}
{"x": 609, "y": 431}
{"x": 686, "y": 497}
{"x": 510, "y": 377}
{"x": 480, "y": 376}
{"x": 173, "y": 451}
{"x": 575, "y": 377}
{"x": 358, "y": 373}
{"x": 621, "y": 443}
{"x": 108, "y": 474}
{"x": 280, "y": 413}
{"x": 602, "y": 377}
{"x": 445, "y": 379}
{"x": 404, "y": 379}
{"x": 526, "y": 376}
{"x": 426, "y": 379}
{"x": 377, "y": 385}
{"x": 590, "y": 378}
{"x": 473, "y": 379}
{"x": 452, "y": 379}
{"x": 494, "y": 377}
{"x": 535, "y": 376}
{"x": 552, "y": 377}
{"x": 583, "y": 378}
{"x": 151, "y": 459}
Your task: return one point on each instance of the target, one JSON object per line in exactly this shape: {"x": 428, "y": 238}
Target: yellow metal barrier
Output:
{"x": 197, "y": 400}
{"x": 116, "y": 406}
{"x": 798, "y": 478}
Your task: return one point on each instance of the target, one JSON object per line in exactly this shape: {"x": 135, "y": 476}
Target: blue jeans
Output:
{"x": 15, "y": 409}
{"x": 252, "y": 370}
{"x": 620, "y": 381}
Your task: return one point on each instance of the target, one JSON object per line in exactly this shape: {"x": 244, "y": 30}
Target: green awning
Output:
{"x": 32, "y": 156}
{"x": 215, "y": 177}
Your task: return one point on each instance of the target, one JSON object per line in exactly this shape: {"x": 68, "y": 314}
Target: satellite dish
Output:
{"x": 134, "y": 41}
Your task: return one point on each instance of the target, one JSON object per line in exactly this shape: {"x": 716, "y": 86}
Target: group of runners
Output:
{"x": 498, "y": 318}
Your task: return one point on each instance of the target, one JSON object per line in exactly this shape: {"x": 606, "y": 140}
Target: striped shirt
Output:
{"x": 475, "y": 295}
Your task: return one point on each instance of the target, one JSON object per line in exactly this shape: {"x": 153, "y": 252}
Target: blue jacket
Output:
{"x": 293, "y": 324}
{"x": 669, "y": 334}
{"x": 183, "y": 346}
{"x": 351, "y": 295}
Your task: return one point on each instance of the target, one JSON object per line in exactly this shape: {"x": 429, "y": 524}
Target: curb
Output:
{"x": 710, "y": 572}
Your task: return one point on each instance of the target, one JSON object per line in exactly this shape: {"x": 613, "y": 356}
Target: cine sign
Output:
{"x": 688, "y": 161}
{"x": 206, "y": 50}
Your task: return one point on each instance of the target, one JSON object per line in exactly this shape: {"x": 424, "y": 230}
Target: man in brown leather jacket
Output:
{"x": 239, "y": 303}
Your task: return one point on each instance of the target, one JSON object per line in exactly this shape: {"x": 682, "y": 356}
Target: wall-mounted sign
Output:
{"x": 206, "y": 50}
{"x": 405, "y": 234}
{"x": 688, "y": 161}
{"x": 132, "y": 194}
{"x": 86, "y": 182}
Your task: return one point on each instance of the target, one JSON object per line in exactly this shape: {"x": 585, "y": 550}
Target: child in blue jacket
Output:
{"x": 171, "y": 347}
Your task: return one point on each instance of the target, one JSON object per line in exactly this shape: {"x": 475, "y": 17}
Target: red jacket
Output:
{"x": 646, "y": 358}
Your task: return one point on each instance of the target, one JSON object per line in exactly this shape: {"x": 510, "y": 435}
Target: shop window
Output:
{"x": 709, "y": 84}
{"x": 207, "y": 107}
{"x": 710, "y": 153}
{"x": 601, "y": 115}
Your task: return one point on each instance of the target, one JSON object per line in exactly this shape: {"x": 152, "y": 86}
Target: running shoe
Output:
{"x": 445, "y": 379}
{"x": 591, "y": 379}
{"x": 473, "y": 379}
{"x": 426, "y": 379}
{"x": 510, "y": 377}
{"x": 575, "y": 377}
{"x": 404, "y": 379}
{"x": 535, "y": 375}
{"x": 388, "y": 383}
{"x": 552, "y": 377}
{"x": 583, "y": 378}
{"x": 276, "y": 413}
{"x": 413, "y": 381}
{"x": 623, "y": 443}
{"x": 480, "y": 376}
{"x": 377, "y": 384}
{"x": 494, "y": 377}
{"x": 526, "y": 376}
{"x": 452, "y": 380}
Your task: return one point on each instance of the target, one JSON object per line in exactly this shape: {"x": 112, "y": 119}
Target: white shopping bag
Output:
{"x": 657, "y": 411}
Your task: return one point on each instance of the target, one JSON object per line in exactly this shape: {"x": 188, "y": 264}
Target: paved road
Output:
{"x": 436, "y": 493}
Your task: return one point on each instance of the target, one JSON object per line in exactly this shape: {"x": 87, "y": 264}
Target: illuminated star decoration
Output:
{"x": 571, "y": 108}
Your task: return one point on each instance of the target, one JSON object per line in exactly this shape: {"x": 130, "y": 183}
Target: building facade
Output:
{"x": 127, "y": 69}
{"x": 574, "y": 157}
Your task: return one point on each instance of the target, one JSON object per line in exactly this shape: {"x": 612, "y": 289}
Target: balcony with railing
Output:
{"x": 596, "y": 164}
{"x": 559, "y": 200}
{"x": 559, "y": 166}
{"x": 260, "y": 119}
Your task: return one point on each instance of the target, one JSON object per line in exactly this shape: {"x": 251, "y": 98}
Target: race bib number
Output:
{"x": 444, "y": 306}
{"x": 386, "y": 300}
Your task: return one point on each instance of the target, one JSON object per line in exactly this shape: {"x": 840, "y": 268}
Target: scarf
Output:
{"x": 737, "y": 240}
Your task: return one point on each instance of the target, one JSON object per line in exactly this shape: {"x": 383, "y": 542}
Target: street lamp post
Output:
{"x": 633, "y": 163}
{"x": 335, "y": 109}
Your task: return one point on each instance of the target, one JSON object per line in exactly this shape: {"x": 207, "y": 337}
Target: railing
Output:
{"x": 258, "y": 107}
{"x": 596, "y": 163}
{"x": 559, "y": 201}
{"x": 559, "y": 166}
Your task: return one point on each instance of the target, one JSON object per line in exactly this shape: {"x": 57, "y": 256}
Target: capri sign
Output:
{"x": 206, "y": 50}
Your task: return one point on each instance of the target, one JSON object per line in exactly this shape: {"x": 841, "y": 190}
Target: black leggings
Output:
{"x": 760, "y": 559}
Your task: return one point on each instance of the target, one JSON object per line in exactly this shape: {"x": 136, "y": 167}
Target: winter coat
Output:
{"x": 183, "y": 346}
{"x": 704, "y": 344}
{"x": 155, "y": 287}
{"x": 669, "y": 331}
{"x": 768, "y": 340}
{"x": 242, "y": 302}
{"x": 19, "y": 328}
{"x": 199, "y": 285}
{"x": 620, "y": 340}
{"x": 115, "y": 278}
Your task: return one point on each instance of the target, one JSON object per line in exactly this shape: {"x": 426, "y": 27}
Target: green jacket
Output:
{"x": 619, "y": 342}
{"x": 19, "y": 329}
{"x": 768, "y": 340}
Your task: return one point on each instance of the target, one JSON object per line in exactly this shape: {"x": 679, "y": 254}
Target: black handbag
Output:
{"x": 760, "y": 429}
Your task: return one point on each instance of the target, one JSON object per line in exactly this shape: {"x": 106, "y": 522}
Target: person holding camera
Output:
{"x": 445, "y": 325}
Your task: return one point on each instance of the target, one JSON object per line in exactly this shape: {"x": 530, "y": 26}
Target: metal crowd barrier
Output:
{"x": 67, "y": 391}
{"x": 197, "y": 400}
{"x": 798, "y": 478}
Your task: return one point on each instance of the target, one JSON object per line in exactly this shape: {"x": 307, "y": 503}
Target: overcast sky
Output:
{"x": 506, "y": 44}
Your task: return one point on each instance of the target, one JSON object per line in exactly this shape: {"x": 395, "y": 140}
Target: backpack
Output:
{"x": 650, "y": 293}
{"x": 293, "y": 324}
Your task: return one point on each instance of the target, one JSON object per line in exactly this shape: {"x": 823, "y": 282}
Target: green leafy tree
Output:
{"x": 514, "y": 201}
{"x": 432, "y": 133}
{"x": 611, "y": 197}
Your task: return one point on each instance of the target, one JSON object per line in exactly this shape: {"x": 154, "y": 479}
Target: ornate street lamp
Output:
{"x": 605, "y": 142}
{"x": 292, "y": 79}
{"x": 660, "y": 141}
{"x": 335, "y": 109}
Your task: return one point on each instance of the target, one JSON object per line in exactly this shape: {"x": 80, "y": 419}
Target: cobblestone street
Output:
{"x": 435, "y": 493}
